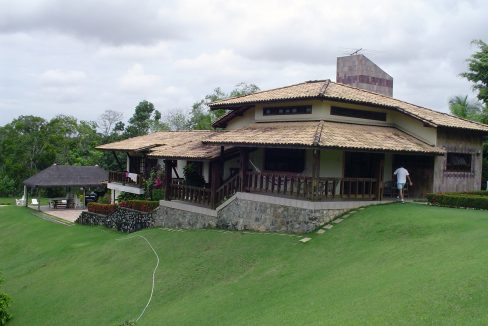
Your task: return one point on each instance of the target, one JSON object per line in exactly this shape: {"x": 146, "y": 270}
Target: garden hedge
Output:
{"x": 104, "y": 209}
{"x": 140, "y": 205}
{"x": 476, "y": 199}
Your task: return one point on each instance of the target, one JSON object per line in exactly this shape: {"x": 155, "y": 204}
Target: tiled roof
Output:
{"x": 328, "y": 90}
{"x": 169, "y": 144}
{"x": 68, "y": 175}
{"x": 324, "y": 134}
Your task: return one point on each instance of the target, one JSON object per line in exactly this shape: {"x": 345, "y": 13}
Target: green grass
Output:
{"x": 11, "y": 200}
{"x": 387, "y": 265}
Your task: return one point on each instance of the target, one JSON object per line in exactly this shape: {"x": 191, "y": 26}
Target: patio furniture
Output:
{"x": 35, "y": 202}
{"x": 20, "y": 202}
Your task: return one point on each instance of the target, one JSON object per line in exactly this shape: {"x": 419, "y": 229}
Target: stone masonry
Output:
{"x": 246, "y": 211}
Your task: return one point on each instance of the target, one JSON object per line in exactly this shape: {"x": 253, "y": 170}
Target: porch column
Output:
{"x": 38, "y": 199}
{"x": 26, "y": 204}
{"x": 215, "y": 179}
{"x": 222, "y": 161}
{"x": 168, "y": 175}
{"x": 315, "y": 173}
{"x": 244, "y": 157}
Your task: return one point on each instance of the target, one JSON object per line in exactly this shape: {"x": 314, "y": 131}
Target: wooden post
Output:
{"x": 26, "y": 204}
{"x": 214, "y": 182}
{"x": 243, "y": 170}
{"x": 168, "y": 175}
{"x": 38, "y": 199}
{"x": 222, "y": 162}
{"x": 315, "y": 173}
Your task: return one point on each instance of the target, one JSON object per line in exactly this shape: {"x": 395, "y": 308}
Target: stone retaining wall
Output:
{"x": 242, "y": 214}
{"x": 246, "y": 211}
{"x": 123, "y": 219}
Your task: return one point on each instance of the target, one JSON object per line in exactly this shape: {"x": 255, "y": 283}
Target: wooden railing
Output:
{"x": 226, "y": 190}
{"x": 197, "y": 195}
{"x": 122, "y": 177}
{"x": 277, "y": 183}
{"x": 302, "y": 187}
{"x": 280, "y": 184}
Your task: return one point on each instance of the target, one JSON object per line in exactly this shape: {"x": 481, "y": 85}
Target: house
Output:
{"x": 290, "y": 158}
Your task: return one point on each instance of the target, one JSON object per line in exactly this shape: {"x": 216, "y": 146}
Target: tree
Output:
{"x": 5, "y": 301}
{"x": 460, "y": 106}
{"x": 201, "y": 117}
{"x": 478, "y": 71}
{"x": 177, "y": 120}
{"x": 144, "y": 117}
{"x": 109, "y": 120}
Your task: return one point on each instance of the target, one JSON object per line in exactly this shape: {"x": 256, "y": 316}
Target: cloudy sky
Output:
{"x": 84, "y": 57}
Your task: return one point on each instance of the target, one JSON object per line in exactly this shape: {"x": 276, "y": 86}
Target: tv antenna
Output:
{"x": 357, "y": 51}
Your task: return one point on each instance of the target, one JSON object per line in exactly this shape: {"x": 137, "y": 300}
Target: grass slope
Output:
{"x": 393, "y": 264}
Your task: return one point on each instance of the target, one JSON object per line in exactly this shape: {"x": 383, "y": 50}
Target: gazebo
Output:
{"x": 65, "y": 176}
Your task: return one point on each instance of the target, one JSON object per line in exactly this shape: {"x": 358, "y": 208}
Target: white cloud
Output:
{"x": 85, "y": 57}
{"x": 62, "y": 78}
{"x": 136, "y": 80}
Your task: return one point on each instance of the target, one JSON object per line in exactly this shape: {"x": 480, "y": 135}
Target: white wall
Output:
{"x": 241, "y": 121}
{"x": 331, "y": 162}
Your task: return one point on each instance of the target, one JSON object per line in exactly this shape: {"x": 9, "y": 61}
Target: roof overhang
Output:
{"x": 325, "y": 135}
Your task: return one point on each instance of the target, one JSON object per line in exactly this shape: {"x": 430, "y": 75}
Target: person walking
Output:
{"x": 402, "y": 176}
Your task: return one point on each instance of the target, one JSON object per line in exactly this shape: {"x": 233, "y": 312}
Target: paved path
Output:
{"x": 65, "y": 214}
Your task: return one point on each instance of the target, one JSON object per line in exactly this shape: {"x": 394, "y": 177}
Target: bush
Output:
{"x": 125, "y": 196}
{"x": 104, "y": 209}
{"x": 140, "y": 205}
{"x": 5, "y": 301}
{"x": 105, "y": 199}
{"x": 158, "y": 194}
{"x": 7, "y": 186}
{"x": 468, "y": 200}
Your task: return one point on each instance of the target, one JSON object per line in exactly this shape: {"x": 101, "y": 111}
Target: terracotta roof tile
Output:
{"x": 325, "y": 89}
{"x": 324, "y": 134}
{"x": 279, "y": 133}
{"x": 168, "y": 144}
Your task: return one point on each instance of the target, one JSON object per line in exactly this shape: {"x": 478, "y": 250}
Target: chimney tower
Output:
{"x": 358, "y": 71}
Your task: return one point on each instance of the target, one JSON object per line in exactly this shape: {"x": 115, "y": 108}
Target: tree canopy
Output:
{"x": 29, "y": 144}
{"x": 478, "y": 71}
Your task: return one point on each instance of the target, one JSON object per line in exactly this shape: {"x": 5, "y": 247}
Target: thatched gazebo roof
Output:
{"x": 68, "y": 175}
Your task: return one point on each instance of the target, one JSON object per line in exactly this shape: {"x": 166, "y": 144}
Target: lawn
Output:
{"x": 11, "y": 200}
{"x": 392, "y": 264}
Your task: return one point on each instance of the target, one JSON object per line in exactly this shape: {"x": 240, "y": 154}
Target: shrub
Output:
{"x": 5, "y": 301}
{"x": 125, "y": 196}
{"x": 104, "y": 209}
{"x": 105, "y": 199}
{"x": 157, "y": 194}
{"x": 469, "y": 200}
{"x": 140, "y": 205}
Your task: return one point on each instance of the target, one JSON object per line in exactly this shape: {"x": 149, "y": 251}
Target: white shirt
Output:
{"x": 401, "y": 174}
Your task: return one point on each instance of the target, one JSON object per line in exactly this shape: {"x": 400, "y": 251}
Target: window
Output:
{"x": 458, "y": 162}
{"x": 284, "y": 160}
{"x": 288, "y": 110}
{"x": 360, "y": 114}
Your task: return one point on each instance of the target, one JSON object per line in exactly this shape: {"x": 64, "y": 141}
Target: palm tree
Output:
{"x": 461, "y": 107}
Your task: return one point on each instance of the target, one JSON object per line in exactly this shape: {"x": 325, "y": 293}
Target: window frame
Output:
{"x": 287, "y": 110}
{"x": 446, "y": 165}
{"x": 356, "y": 113}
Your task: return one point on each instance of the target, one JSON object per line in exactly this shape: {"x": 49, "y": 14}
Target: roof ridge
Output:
{"x": 269, "y": 90}
{"x": 415, "y": 105}
{"x": 318, "y": 133}
{"x": 324, "y": 87}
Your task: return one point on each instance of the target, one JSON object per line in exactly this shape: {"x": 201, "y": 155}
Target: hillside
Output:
{"x": 392, "y": 264}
